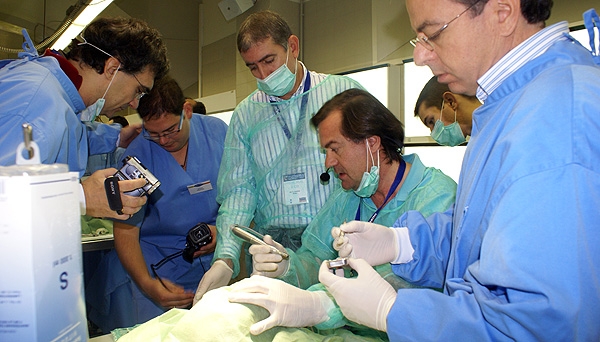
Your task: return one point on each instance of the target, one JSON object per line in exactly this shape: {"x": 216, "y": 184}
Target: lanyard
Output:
{"x": 284, "y": 126}
{"x": 397, "y": 180}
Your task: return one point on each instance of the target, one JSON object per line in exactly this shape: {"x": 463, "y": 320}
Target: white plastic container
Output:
{"x": 41, "y": 272}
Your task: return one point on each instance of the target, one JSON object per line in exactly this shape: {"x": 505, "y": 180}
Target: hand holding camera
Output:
{"x": 132, "y": 169}
{"x": 200, "y": 235}
{"x": 97, "y": 203}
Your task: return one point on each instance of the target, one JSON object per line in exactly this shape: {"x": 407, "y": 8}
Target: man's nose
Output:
{"x": 422, "y": 55}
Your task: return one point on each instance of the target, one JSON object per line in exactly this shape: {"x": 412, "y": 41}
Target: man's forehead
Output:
{"x": 259, "y": 51}
{"x": 426, "y": 13}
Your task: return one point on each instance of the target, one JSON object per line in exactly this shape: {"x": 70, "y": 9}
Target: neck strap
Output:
{"x": 393, "y": 188}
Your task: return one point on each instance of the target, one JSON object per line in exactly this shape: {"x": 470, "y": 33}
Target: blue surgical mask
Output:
{"x": 370, "y": 180}
{"x": 280, "y": 81}
{"x": 450, "y": 135}
{"x": 91, "y": 112}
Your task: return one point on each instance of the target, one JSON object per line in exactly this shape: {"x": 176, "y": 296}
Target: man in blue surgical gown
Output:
{"x": 59, "y": 95}
{"x": 183, "y": 150}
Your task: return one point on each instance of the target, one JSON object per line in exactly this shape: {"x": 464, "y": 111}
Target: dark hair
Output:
{"x": 364, "y": 116}
{"x": 165, "y": 97}
{"x": 199, "y": 108}
{"x": 260, "y": 26}
{"x": 535, "y": 11}
{"x": 431, "y": 95}
{"x": 120, "y": 120}
{"x": 131, "y": 41}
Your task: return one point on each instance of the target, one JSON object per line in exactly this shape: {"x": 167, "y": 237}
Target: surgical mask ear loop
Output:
{"x": 442, "y": 111}
{"x": 454, "y": 114}
{"x": 296, "y": 68}
{"x": 111, "y": 81}
{"x": 104, "y": 52}
{"x": 371, "y": 154}
{"x": 287, "y": 56}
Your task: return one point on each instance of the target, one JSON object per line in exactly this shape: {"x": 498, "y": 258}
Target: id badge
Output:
{"x": 295, "y": 189}
{"x": 199, "y": 187}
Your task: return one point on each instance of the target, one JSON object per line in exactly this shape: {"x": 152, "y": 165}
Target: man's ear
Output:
{"x": 294, "y": 46}
{"x": 188, "y": 109}
{"x": 508, "y": 15}
{"x": 450, "y": 100}
{"x": 111, "y": 65}
{"x": 374, "y": 142}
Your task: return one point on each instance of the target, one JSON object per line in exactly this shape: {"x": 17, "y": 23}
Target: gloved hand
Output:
{"x": 372, "y": 242}
{"x": 366, "y": 300}
{"x": 267, "y": 263}
{"x": 217, "y": 276}
{"x": 289, "y": 306}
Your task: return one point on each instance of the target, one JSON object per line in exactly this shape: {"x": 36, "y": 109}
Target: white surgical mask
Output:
{"x": 370, "y": 180}
{"x": 280, "y": 81}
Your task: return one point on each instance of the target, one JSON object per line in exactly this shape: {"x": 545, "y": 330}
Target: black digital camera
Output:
{"x": 197, "y": 237}
{"x": 133, "y": 169}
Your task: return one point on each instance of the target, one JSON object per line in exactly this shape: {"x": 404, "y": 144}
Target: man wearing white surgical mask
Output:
{"x": 105, "y": 70}
{"x": 272, "y": 160}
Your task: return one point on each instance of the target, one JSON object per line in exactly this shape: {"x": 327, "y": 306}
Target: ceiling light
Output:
{"x": 89, "y": 13}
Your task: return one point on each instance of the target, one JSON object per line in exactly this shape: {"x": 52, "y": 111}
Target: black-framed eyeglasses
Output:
{"x": 426, "y": 40}
{"x": 167, "y": 133}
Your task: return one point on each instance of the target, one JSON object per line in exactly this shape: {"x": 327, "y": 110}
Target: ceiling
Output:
{"x": 41, "y": 18}
{"x": 177, "y": 20}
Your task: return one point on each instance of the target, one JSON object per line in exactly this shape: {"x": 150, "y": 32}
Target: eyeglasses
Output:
{"x": 140, "y": 94}
{"x": 167, "y": 133}
{"x": 426, "y": 40}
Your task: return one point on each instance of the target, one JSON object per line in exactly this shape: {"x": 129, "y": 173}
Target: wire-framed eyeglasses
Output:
{"x": 139, "y": 94}
{"x": 168, "y": 133}
{"x": 426, "y": 40}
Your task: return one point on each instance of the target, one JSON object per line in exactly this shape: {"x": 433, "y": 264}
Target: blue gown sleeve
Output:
{"x": 102, "y": 138}
{"x": 430, "y": 238}
{"x": 537, "y": 267}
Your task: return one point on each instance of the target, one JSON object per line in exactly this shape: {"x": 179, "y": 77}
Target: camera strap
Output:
{"x": 161, "y": 263}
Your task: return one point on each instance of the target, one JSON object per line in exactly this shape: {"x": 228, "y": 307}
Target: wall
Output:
{"x": 336, "y": 36}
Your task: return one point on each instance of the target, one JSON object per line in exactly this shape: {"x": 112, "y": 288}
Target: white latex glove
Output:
{"x": 217, "y": 276}
{"x": 289, "y": 306}
{"x": 372, "y": 242}
{"x": 267, "y": 263}
{"x": 366, "y": 300}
